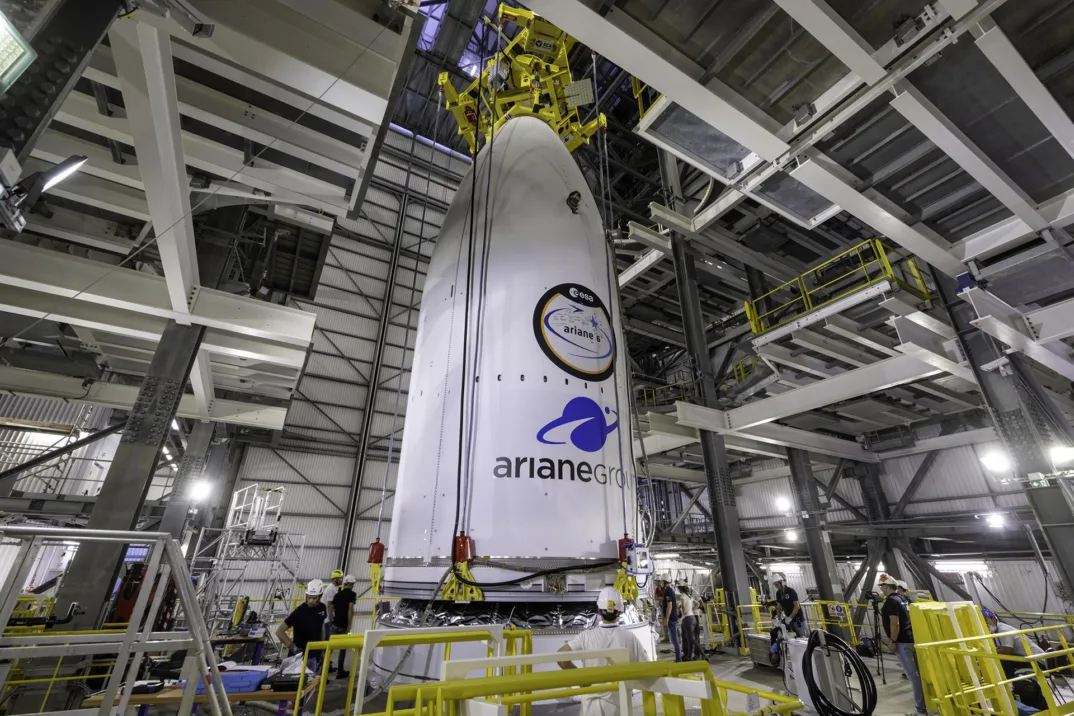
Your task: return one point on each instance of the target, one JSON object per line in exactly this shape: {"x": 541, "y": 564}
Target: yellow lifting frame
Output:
{"x": 535, "y": 74}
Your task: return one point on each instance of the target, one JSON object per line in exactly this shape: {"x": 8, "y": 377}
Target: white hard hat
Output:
{"x": 902, "y": 584}
{"x": 886, "y": 580}
{"x": 315, "y": 588}
{"x": 349, "y": 579}
{"x": 779, "y": 577}
{"x": 664, "y": 577}
{"x": 610, "y": 600}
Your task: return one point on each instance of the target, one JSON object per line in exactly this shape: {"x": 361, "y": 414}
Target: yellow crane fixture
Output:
{"x": 528, "y": 77}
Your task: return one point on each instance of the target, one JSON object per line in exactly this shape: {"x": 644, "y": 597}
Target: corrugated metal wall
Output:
{"x": 316, "y": 453}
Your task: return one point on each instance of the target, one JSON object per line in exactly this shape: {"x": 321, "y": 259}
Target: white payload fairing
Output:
{"x": 520, "y": 365}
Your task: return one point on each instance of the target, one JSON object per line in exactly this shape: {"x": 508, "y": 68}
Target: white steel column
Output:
{"x": 147, "y": 75}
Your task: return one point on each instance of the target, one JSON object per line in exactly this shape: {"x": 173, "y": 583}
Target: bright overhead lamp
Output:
{"x": 61, "y": 171}
{"x": 791, "y": 535}
{"x": 175, "y": 425}
{"x": 200, "y": 490}
{"x": 665, "y": 555}
{"x": 1061, "y": 454}
{"x": 783, "y": 504}
{"x": 995, "y": 520}
{"x": 785, "y": 567}
{"x": 16, "y": 54}
{"x": 996, "y": 461}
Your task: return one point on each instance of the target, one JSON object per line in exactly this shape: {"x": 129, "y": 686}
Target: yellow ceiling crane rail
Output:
{"x": 529, "y": 77}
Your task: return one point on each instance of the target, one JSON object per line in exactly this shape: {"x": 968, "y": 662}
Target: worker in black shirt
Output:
{"x": 895, "y": 616}
{"x": 670, "y": 606}
{"x": 787, "y": 598}
{"x": 343, "y": 616}
{"x": 306, "y": 623}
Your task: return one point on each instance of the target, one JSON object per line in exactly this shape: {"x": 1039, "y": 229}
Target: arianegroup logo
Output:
{"x": 582, "y": 422}
{"x": 572, "y": 327}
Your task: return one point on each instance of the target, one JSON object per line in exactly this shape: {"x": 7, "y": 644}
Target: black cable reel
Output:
{"x": 853, "y": 665}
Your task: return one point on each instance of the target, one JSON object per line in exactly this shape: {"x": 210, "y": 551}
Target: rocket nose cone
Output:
{"x": 530, "y": 131}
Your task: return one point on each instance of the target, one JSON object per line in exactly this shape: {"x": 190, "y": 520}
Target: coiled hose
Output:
{"x": 821, "y": 702}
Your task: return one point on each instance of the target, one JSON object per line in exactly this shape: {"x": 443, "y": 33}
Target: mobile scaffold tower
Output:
{"x": 249, "y": 565}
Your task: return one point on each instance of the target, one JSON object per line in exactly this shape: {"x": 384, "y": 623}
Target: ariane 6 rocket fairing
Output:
{"x": 518, "y": 430}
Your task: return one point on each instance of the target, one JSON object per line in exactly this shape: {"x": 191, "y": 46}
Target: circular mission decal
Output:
{"x": 574, "y": 330}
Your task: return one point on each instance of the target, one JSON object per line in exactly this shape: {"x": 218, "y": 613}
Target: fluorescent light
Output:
{"x": 879, "y": 567}
{"x": 167, "y": 453}
{"x": 1062, "y": 454}
{"x": 665, "y": 555}
{"x": 791, "y": 535}
{"x": 996, "y": 461}
{"x": 783, "y": 504}
{"x": 63, "y": 170}
{"x": 785, "y": 567}
{"x": 995, "y": 521}
{"x": 952, "y": 565}
{"x": 175, "y": 424}
{"x": 199, "y": 490}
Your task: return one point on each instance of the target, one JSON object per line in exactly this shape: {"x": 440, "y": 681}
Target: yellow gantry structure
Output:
{"x": 528, "y": 77}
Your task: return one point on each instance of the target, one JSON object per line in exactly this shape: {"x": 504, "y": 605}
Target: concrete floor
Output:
{"x": 895, "y": 697}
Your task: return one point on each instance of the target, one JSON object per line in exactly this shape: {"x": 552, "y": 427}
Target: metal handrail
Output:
{"x": 869, "y": 264}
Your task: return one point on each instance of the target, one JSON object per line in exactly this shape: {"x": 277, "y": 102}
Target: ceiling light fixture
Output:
{"x": 996, "y": 461}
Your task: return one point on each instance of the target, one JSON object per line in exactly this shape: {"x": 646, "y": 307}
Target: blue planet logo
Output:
{"x": 590, "y": 430}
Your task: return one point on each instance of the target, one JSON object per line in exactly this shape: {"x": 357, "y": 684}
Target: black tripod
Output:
{"x": 878, "y": 642}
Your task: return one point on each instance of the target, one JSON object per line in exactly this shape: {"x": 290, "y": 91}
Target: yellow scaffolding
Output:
{"x": 529, "y": 77}
{"x": 664, "y": 394}
{"x": 857, "y": 268}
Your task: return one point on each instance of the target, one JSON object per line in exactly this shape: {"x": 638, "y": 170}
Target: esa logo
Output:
{"x": 574, "y": 331}
{"x": 576, "y": 294}
{"x": 582, "y": 423}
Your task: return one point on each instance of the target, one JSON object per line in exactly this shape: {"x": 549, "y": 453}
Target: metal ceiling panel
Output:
{"x": 972, "y": 94}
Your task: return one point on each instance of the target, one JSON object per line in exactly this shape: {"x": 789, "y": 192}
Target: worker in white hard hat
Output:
{"x": 787, "y": 599}
{"x": 895, "y": 619}
{"x": 342, "y": 617}
{"x": 329, "y": 597}
{"x": 902, "y": 589}
{"x": 605, "y": 635}
{"x": 669, "y": 607}
{"x": 306, "y": 623}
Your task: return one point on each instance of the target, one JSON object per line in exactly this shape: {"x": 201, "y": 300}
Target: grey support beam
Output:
{"x": 877, "y": 510}
{"x": 814, "y": 523}
{"x": 924, "y": 567}
{"x": 922, "y": 472}
{"x": 368, "y": 410}
{"x": 191, "y": 468}
{"x": 1027, "y": 422}
{"x": 721, "y": 493}
{"x": 873, "y": 554}
{"x": 93, "y": 570}
{"x": 13, "y": 472}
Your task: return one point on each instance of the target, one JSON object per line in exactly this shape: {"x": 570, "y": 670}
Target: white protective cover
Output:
{"x": 550, "y": 437}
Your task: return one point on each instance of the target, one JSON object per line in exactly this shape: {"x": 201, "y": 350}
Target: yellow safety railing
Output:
{"x": 664, "y": 394}
{"x": 443, "y": 698}
{"x": 967, "y": 676}
{"x": 866, "y": 264}
{"x": 716, "y": 617}
{"x": 516, "y": 642}
{"x": 825, "y": 614}
{"x": 642, "y": 96}
{"x": 756, "y": 626}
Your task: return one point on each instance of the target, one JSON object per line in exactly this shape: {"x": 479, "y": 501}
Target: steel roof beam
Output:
{"x": 942, "y": 132}
{"x": 868, "y": 379}
{"x": 289, "y": 185}
{"x": 1007, "y": 324}
{"x": 37, "y": 269}
{"x": 78, "y": 228}
{"x": 639, "y": 267}
{"x": 996, "y": 46}
{"x": 36, "y": 384}
{"x": 638, "y": 51}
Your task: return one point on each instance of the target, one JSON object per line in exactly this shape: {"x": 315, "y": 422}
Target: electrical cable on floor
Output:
{"x": 821, "y": 703}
